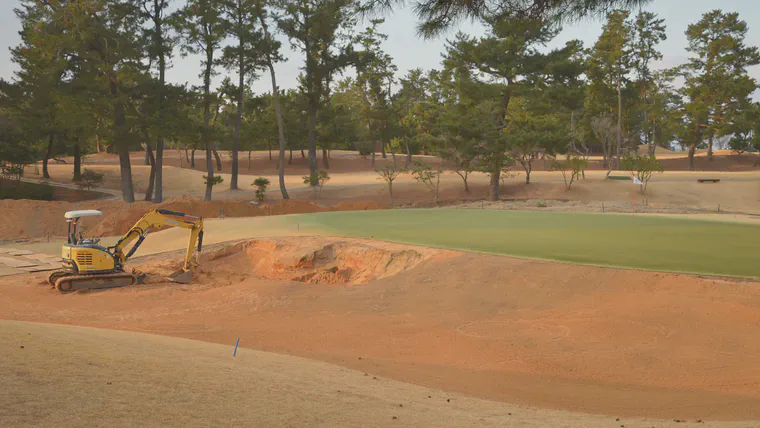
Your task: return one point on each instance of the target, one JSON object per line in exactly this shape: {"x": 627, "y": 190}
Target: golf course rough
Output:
{"x": 615, "y": 240}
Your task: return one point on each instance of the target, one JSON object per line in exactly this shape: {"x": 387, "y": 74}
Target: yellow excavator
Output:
{"x": 88, "y": 265}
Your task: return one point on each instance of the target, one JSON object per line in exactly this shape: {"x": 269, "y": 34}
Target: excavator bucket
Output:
{"x": 181, "y": 276}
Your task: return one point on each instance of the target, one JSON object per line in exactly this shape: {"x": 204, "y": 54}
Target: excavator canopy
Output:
{"x": 82, "y": 213}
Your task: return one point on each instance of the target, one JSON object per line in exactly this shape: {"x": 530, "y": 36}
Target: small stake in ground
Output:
{"x": 237, "y": 342}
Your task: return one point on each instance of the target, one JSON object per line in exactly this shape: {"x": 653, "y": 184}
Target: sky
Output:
{"x": 410, "y": 51}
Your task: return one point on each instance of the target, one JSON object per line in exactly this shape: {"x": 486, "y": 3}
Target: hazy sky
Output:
{"x": 409, "y": 51}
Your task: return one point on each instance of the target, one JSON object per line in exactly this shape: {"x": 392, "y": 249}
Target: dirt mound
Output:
{"x": 313, "y": 260}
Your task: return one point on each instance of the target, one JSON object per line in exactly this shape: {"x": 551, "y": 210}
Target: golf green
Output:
{"x": 631, "y": 241}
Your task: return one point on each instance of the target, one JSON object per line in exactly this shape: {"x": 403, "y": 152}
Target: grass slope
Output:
{"x": 630, "y": 241}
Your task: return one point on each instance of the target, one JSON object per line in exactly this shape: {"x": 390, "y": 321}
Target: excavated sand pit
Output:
{"x": 313, "y": 260}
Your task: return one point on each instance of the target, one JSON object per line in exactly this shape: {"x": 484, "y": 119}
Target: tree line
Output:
{"x": 92, "y": 78}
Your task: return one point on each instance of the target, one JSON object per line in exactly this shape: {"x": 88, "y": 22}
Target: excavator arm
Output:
{"x": 158, "y": 219}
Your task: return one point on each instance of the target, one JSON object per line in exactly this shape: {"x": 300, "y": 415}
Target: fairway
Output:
{"x": 630, "y": 241}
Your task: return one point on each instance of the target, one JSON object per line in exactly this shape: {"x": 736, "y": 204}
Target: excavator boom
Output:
{"x": 156, "y": 220}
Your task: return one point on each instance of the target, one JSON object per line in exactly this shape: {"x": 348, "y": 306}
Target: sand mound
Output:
{"x": 313, "y": 260}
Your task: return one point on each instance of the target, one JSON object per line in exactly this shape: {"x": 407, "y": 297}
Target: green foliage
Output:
{"x": 11, "y": 171}
{"x": 317, "y": 182}
{"x": 717, "y": 84}
{"x": 261, "y": 184}
{"x": 321, "y": 178}
{"x": 389, "y": 173}
{"x": 217, "y": 179}
{"x": 12, "y": 189}
{"x": 425, "y": 174}
{"x": 89, "y": 179}
{"x": 438, "y": 16}
{"x": 571, "y": 168}
{"x": 461, "y": 153}
{"x": 375, "y": 71}
{"x": 641, "y": 167}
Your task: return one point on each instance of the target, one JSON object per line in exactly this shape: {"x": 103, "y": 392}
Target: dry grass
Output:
{"x": 81, "y": 377}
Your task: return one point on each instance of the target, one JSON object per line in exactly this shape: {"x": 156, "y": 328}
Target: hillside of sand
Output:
{"x": 617, "y": 342}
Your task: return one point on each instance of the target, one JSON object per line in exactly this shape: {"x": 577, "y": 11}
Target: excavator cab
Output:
{"x": 84, "y": 255}
{"x": 88, "y": 265}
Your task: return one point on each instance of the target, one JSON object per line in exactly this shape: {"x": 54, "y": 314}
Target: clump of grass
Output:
{"x": 541, "y": 204}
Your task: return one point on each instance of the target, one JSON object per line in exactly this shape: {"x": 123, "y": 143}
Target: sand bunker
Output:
{"x": 313, "y": 260}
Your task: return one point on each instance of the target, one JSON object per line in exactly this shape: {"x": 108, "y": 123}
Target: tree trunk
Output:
{"x": 216, "y": 157}
{"x": 77, "y": 162}
{"x": 528, "y": 167}
{"x": 269, "y": 142}
{"x": 152, "y": 178}
{"x": 390, "y": 191}
{"x": 160, "y": 44}
{"x": 158, "y": 166}
{"x": 313, "y": 140}
{"x": 437, "y": 186}
{"x": 278, "y": 114}
{"x": 48, "y": 153}
{"x": 374, "y": 149}
{"x": 192, "y": 159}
{"x": 206, "y": 122}
{"x": 249, "y": 160}
{"x": 408, "y": 154}
{"x": 325, "y": 159}
{"x": 239, "y": 118}
{"x": 692, "y": 150}
{"x": 494, "y": 185}
{"x": 290, "y": 159}
{"x": 97, "y": 138}
{"x": 694, "y": 144}
{"x": 382, "y": 150}
{"x": 210, "y": 170}
{"x": 146, "y": 160}
{"x": 619, "y": 124}
{"x": 121, "y": 143}
{"x": 393, "y": 155}
{"x": 710, "y": 147}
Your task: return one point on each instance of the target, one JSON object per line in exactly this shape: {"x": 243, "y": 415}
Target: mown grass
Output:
{"x": 631, "y": 241}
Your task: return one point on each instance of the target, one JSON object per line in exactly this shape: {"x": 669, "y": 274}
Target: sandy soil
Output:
{"x": 118, "y": 217}
{"x": 738, "y": 191}
{"x": 584, "y": 339}
{"x": 170, "y": 380}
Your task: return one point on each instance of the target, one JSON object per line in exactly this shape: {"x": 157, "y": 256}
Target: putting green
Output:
{"x": 640, "y": 242}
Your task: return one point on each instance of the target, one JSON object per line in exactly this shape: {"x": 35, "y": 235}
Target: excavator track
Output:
{"x": 69, "y": 284}
{"x": 56, "y": 275}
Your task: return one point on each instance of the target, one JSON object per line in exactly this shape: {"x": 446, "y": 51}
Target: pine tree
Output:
{"x": 245, "y": 57}
{"x": 159, "y": 46}
{"x": 609, "y": 63}
{"x": 319, "y": 29}
{"x": 716, "y": 74}
{"x": 270, "y": 50}
{"x": 647, "y": 31}
{"x": 203, "y": 29}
